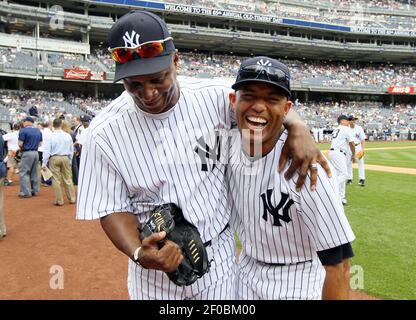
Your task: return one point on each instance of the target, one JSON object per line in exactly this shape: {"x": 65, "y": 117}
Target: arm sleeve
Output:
{"x": 323, "y": 213}
{"x": 21, "y": 136}
{"x": 336, "y": 255}
{"x": 47, "y": 146}
{"x": 101, "y": 188}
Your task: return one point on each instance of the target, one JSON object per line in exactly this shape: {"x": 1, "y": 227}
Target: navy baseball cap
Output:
{"x": 132, "y": 30}
{"x": 266, "y": 70}
{"x": 85, "y": 118}
{"x": 30, "y": 119}
{"x": 342, "y": 117}
{"x": 352, "y": 117}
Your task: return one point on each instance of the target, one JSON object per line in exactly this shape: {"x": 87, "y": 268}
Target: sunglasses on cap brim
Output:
{"x": 255, "y": 71}
{"x": 146, "y": 50}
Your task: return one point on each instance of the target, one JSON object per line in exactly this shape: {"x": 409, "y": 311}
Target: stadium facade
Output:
{"x": 61, "y": 46}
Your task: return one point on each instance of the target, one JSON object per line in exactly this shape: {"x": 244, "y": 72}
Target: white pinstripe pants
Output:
{"x": 339, "y": 162}
{"x": 360, "y": 163}
{"x": 260, "y": 281}
{"x": 217, "y": 284}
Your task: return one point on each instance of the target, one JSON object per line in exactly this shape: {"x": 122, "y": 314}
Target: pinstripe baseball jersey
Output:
{"x": 341, "y": 136}
{"x": 133, "y": 161}
{"x": 275, "y": 223}
{"x": 358, "y": 134}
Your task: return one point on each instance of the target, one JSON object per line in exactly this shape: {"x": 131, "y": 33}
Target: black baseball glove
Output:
{"x": 169, "y": 218}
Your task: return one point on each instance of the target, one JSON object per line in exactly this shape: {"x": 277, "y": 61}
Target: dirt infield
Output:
{"x": 387, "y": 169}
{"x": 40, "y": 236}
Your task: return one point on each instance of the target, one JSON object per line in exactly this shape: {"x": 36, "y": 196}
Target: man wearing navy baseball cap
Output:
{"x": 261, "y": 101}
{"x": 265, "y": 70}
{"x": 29, "y": 140}
{"x": 130, "y": 164}
{"x": 137, "y": 37}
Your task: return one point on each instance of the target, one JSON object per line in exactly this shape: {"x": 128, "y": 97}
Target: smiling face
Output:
{"x": 155, "y": 93}
{"x": 260, "y": 110}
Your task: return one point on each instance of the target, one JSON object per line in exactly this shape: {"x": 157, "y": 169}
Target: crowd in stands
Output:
{"x": 326, "y": 72}
{"x": 89, "y": 105}
{"x": 379, "y": 121}
{"x": 71, "y": 61}
{"x": 18, "y": 59}
{"x": 48, "y": 105}
{"x": 105, "y": 58}
{"x": 323, "y": 73}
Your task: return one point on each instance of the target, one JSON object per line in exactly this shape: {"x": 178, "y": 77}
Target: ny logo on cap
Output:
{"x": 266, "y": 63}
{"x": 132, "y": 40}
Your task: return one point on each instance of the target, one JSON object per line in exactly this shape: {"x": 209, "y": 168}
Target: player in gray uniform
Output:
{"x": 359, "y": 141}
{"x": 286, "y": 235}
{"x": 160, "y": 142}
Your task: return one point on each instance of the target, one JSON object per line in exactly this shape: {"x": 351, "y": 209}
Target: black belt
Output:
{"x": 357, "y": 144}
{"x": 332, "y": 149}
{"x": 284, "y": 264}
{"x": 208, "y": 243}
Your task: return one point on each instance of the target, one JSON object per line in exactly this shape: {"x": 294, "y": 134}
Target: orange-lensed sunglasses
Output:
{"x": 146, "y": 50}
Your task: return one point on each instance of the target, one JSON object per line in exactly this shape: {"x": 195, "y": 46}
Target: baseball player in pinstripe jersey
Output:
{"x": 342, "y": 152}
{"x": 359, "y": 141}
{"x": 286, "y": 235}
{"x": 160, "y": 142}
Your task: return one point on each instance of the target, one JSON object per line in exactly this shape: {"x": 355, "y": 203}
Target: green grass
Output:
{"x": 383, "y": 217}
{"x": 393, "y": 158}
{"x": 382, "y": 144}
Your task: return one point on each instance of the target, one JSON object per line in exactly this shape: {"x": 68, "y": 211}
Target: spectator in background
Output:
{"x": 45, "y": 129}
{"x": 29, "y": 140}
{"x": 58, "y": 157}
{"x": 11, "y": 139}
{"x": 85, "y": 120}
{"x": 76, "y": 128}
{"x": 33, "y": 111}
{"x": 3, "y": 170}
{"x": 65, "y": 125}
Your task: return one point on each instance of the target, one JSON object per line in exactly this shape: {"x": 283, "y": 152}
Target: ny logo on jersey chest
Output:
{"x": 281, "y": 212}
{"x": 206, "y": 153}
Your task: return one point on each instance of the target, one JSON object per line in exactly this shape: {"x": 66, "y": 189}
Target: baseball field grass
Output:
{"x": 396, "y": 154}
{"x": 392, "y": 158}
{"x": 383, "y": 217}
{"x": 381, "y": 144}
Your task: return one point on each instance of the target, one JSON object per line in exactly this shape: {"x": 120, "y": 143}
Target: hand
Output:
{"x": 167, "y": 259}
{"x": 43, "y": 168}
{"x": 304, "y": 152}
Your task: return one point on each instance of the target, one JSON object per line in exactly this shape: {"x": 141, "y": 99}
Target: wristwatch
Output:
{"x": 136, "y": 255}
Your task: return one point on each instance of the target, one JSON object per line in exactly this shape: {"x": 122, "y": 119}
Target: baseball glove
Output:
{"x": 169, "y": 218}
{"x": 360, "y": 154}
